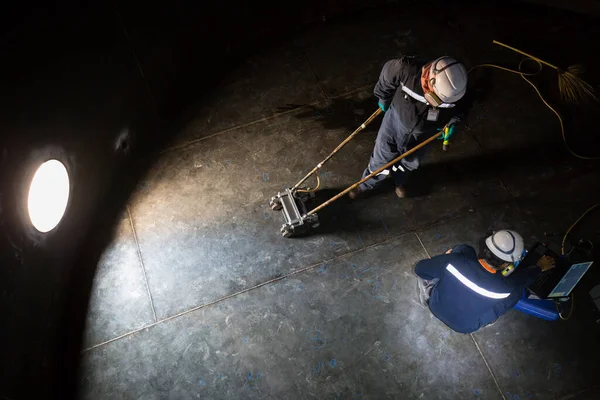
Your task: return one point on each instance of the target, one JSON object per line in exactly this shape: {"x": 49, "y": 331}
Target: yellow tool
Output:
{"x": 446, "y": 133}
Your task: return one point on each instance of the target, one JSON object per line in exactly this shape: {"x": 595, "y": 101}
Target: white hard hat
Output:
{"x": 506, "y": 245}
{"x": 450, "y": 79}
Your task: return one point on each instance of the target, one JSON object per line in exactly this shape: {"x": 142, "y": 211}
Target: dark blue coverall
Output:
{"x": 466, "y": 297}
{"x": 405, "y": 122}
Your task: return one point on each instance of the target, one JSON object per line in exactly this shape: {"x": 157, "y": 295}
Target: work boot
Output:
{"x": 354, "y": 193}
{"x": 400, "y": 191}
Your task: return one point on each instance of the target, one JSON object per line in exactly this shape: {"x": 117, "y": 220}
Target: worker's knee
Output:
{"x": 411, "y": 164}
{"x": 416, "y": 268}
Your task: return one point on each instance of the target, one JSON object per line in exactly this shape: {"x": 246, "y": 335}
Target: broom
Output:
{"x": 573, "y": 89}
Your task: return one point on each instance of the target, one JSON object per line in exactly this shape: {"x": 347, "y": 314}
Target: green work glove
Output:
{"x": 383, "y": 107}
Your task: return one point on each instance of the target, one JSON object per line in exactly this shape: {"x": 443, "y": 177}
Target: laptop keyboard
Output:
{"x": 540, "y": 282}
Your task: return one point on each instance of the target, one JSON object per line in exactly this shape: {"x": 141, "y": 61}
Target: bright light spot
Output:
{"x": 48, "y": 195}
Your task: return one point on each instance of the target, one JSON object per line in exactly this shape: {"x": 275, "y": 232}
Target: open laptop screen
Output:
{"x": 571, "y": 278}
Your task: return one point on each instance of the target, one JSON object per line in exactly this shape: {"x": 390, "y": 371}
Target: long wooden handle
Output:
{"x": 525, "y": 54}
{"x": 339, "y": 147}
{"x": 372, "y": 174}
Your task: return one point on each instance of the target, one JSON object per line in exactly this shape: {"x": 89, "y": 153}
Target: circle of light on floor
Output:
{"x": 48, "y": 195}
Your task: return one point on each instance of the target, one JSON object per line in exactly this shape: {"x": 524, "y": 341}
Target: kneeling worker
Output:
{"x": 466, "y": 291}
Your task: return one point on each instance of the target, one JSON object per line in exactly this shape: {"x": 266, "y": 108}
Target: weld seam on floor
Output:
{"x": 316, "y": 76}
{"x": 488, "y": 366}
{"x": 142, "y": 265}
{"x": 233, "y": 128}
{"x": 422, "y": 245}
{"x": 505, "y": 187}
{"x": 472, "y": 337}
{"x": 437, "y": 222}
{"x": 279, "y": 278}
{"x": 482, "y": 151}
{"x": 136, "y": 58}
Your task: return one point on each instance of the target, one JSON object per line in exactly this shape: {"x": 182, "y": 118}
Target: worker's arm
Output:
{"x": 431, "y": 268}
{"x": 392, "y": 76}
{"x": 434, "y": 267}
{"x": 465, "y": 250}
{"x": 526, "y": 275}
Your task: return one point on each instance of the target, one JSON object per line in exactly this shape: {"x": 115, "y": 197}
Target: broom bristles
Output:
{"x": 572, "y": 88}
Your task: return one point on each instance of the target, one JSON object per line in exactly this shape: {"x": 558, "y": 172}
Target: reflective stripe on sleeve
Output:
{"x": 484, "y": 292}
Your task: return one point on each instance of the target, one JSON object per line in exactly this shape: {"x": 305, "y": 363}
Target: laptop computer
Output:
{"x": 570, "y": 280}
{"x": 558, "y": 282}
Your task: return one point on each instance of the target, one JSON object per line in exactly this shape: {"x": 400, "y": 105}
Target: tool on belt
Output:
{"x": 298, "y": 219}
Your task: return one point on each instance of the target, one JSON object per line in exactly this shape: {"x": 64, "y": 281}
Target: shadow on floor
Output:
{"x": 345, "y": 214}
{"x": 541, "y": 164}
{"x": 340, "y": 113}
{"x": 350, "y": 113}
{"x": 514, "y": 163}
{"x": 532, "y": 167}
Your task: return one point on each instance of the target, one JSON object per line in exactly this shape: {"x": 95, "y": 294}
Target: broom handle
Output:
{"x": 338, "y": 148}
{"x": 525, "y": 54}
{"x": 372, "y": 174}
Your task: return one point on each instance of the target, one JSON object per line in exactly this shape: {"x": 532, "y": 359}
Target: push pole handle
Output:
{"x": 339, "y": 147}
{"x": 372, "y": 174}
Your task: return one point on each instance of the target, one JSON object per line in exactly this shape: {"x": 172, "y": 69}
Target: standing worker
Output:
{"x": 467, "y": 292}
{"x": 418, "y": 99}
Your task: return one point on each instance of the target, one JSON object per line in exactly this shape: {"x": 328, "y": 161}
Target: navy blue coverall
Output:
{"x": 405, "y": 123}
{"x": 466, "y": 297}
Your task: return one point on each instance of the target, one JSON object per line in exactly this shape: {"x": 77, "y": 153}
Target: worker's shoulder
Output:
{"x": 463, "y": 261}
{"x": 462, "y": 247}
{"x": 409, "y": 64}
{"x": 413, "y": 61}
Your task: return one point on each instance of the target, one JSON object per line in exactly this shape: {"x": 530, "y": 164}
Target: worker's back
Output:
{"x": 467, "y": 297}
